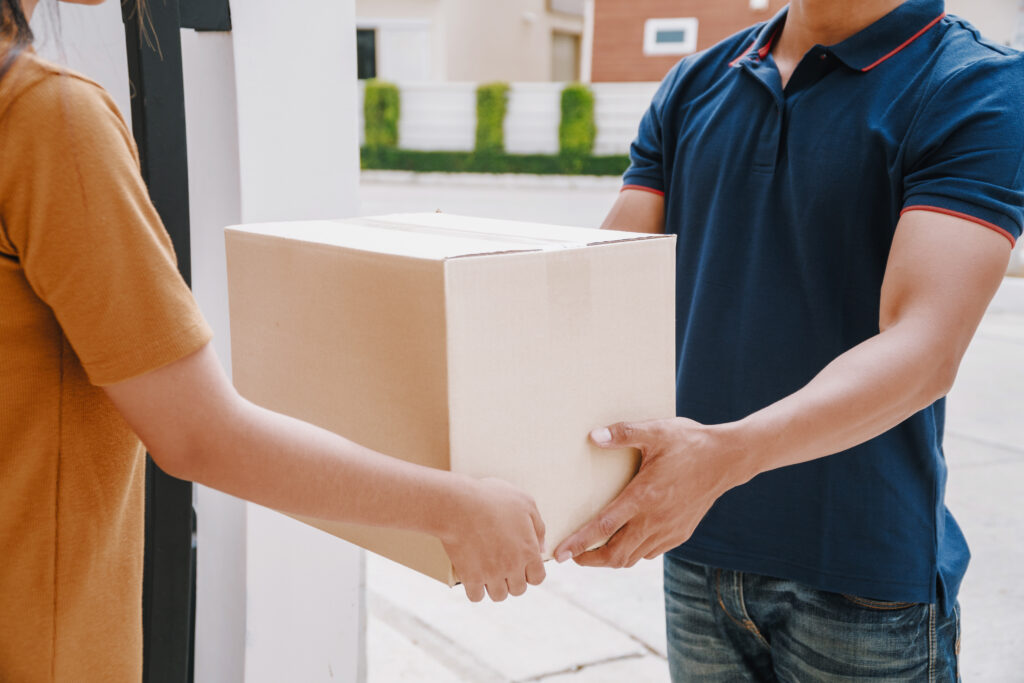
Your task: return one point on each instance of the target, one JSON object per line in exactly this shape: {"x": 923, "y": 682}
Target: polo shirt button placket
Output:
{"x": 767, "y": 153}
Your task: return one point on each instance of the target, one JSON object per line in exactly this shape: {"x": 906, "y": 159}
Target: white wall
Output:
{"x": 618, "y": 108}
{"x": 437, "y": 116}
{"x": 531, "y": 122}
{"x": 404, "y": 48}
{"x": 469, "y": 40}
{"x": 215, "y": 201}
{"x": 272, "y": 135}
{"x": 297, "y": 148}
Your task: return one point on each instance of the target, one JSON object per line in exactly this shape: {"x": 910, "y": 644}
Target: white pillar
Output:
{"x": 214, "y": 202}
{"x": 272, "y": 134}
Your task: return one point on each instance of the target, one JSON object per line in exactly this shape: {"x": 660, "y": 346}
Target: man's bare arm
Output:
{"x": 637, "y": 211}
{"x": 197, "y": 427}
{"x": 941, "y": 274}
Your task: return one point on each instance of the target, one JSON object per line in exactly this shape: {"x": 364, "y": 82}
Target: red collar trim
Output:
{"x": 762, "y": 52}
{"x": 908, "y": 41}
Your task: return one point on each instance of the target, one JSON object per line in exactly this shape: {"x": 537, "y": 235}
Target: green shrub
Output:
{"x": 470, "y": 162}
{"x": 577, "y": 131}
{"x": 491, "y": 105}
{"x": 381, "y": 109}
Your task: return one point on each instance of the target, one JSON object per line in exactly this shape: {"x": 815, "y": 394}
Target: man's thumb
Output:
{"x": 621, "y": 434}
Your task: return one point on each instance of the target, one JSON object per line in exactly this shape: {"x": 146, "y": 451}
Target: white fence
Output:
{"x": 442, "y": 116}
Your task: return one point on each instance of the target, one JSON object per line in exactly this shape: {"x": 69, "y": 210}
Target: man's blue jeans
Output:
{"x": 726, "y": 626}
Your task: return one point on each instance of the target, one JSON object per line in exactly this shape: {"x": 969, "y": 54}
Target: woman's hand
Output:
{"x": 494, "y": 538}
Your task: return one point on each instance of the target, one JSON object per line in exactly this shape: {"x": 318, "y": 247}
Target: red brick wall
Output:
{"x": 619, "y": 32}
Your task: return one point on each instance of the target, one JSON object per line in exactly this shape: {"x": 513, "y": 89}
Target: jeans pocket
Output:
{"x": 883, "y": 605}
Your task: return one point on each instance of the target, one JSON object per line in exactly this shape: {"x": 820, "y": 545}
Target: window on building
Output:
{"x": 677, "y": 36}
{"x": 366, "y": 52}
{"x": 565, "y": 57}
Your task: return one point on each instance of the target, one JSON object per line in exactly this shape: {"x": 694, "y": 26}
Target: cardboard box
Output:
{"x": 479, "y": 346}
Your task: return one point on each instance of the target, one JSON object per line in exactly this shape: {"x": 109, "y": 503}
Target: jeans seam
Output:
{"x": 932, "y": 644}
{"x": 877, "y": 604}
{"x": 956, "y": 645}
{"x": 747, "y": 624}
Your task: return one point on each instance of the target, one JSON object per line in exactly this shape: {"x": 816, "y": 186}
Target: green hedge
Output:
{"x": 469, "y": 162}
{"x": 577, "y": 131}
{"x": 491, "y": 105}
{"x": 381, "y": 109}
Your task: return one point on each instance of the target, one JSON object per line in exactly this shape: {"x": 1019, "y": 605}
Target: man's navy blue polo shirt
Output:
{"x": 785, "y": 203}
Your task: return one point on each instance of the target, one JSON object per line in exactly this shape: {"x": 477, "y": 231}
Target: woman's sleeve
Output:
{"x": 92, "y": 247}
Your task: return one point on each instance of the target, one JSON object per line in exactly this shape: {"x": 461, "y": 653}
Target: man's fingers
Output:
{"x": 594, "y": 558}
{"x": 535, "y": 573}
{"x": 602, "y": 527}
{"x": 616, "y": 553}
{"x": 474, "y": 591}
{"x": 498, "y": 590}
{"x": 642, "y": 551}
{"x": 658, "y": 550}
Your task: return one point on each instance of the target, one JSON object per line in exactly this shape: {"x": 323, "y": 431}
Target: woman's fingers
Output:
{"x": 498, "y": 590}
{"x": 474, "y": 591}
{"x": 516, "y": 586}
{"x": 535, "y": 572}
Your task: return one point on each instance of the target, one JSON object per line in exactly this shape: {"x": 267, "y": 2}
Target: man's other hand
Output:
{"x": 685, "y": 467}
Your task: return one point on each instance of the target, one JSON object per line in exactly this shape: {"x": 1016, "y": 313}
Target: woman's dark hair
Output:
{"x": 13, "y": 24}
{"x": 15, "y": 31}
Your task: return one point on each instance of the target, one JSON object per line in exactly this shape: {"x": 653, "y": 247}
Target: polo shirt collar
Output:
{"x": 881, "y": 40}
{"x": 764, "y": 40}
{"x": 870, "y": 47}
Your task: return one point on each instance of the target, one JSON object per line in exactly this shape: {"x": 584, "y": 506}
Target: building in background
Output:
{"x": 641, "y": 40}
{"x": 470, "y": 40}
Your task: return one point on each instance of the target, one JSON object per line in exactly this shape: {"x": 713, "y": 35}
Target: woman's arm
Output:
{"x": 197, "y": 427}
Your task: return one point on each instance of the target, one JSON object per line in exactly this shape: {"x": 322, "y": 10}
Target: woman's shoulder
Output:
{"x": 36, "y": 89}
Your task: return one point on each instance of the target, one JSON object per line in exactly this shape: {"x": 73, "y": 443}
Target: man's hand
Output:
{"x": 495, "y": 540}
{"x": 685, "y": 467}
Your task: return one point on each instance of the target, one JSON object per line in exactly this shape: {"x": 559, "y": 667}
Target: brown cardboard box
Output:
{"x": 480, "y": 346}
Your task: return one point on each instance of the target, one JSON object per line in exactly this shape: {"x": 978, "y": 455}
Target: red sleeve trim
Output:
{"x": 909, "y": 40}
{"x": 967, "y": 217}
{"x": 642, "y": 188}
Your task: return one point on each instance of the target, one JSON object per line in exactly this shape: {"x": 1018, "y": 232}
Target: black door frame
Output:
{"x": 153, "y": 42}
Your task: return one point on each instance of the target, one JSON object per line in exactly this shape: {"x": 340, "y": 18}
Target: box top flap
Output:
{"x": 438, "y": 236}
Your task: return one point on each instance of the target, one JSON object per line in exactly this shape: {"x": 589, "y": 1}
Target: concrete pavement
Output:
{"x": 597, "y": 626}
